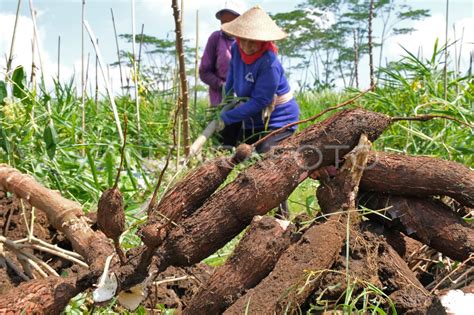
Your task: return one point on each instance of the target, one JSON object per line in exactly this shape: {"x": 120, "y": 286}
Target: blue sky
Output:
{"x": 63, "y": 18}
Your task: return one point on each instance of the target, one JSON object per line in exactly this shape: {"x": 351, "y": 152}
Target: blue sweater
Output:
{"x": 259, "y": 81}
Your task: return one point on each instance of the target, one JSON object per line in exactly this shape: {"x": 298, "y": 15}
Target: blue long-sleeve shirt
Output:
{"x": 259, "y": 81}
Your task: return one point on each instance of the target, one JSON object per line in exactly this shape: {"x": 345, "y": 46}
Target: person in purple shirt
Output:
{"x": 256, "y": 73}
{"x": 216, "y": 57}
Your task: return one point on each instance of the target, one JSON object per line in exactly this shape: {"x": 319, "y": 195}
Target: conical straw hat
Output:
{"x": 254, "y": 24}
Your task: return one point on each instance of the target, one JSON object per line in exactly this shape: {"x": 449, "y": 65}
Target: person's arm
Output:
{"x": 262, "y": 95}
{"x": 207, "y": 68}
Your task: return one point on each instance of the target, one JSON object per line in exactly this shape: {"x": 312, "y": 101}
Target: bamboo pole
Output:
{"x": 196, "y": 64}
{"x": 38, "y": 47}
{"x": 455, "y": 52}
{"x": 471, "y": 58}
{"x": 96, "y": 92}
{"x": 37, "y": 44}
{"x": 446, "y": 54}
{"x": 33, "y": 79}
{"x": 87, "y": 71}
{"x": 33, "y": 66}
{"x": 12, "y": 45}
{"x": 83, "y": 86}
{"x": 356, "y": 58}
{"x": 460, "y": 49}
{"x": 107, "y": 82}
{"x": 118, "y": 49}
{"x": 182, "y": 74}
{"x": 135, "y": 73}
{"x": 140, "y": 49}
{"x": 371, "y": 56}
{"x": 59, "y": 58}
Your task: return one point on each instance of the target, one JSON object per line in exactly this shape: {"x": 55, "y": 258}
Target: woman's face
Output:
{"x": 250, "y": 47}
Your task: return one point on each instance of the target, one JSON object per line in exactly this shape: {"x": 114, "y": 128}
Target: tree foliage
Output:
{"x": 321, "y": 36}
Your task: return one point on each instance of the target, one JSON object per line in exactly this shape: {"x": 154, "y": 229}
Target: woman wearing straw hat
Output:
{"x": 256, "y": 72}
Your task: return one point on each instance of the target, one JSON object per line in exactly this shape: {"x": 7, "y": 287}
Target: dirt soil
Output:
{"x": 170, "y": 293}
{"x": 372, "y": 260}
{"x": 13, "y": 215}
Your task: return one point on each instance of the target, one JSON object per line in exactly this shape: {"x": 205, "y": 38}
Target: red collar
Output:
{"x": 264, "y": 46}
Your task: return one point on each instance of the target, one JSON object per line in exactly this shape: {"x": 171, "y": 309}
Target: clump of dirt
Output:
{"x": 371, "y": 260}
{"x": 175, "y": 286}
{"x": 15, "y": 219}
{"x": 363, "y": 261}
{"x": 13, "y": 214}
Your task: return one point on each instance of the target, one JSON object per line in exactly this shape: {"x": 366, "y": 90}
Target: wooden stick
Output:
{"x": 108, "y": 87}
{"x": 118, "y": 49}
{"x": 12, "y": 45}
{"x": 35, "y": 38}
{"x": 122, "y": 151}
{"x": 83, "y": 82}
{"x": 182, "y": 74}
{"x": 59, "y": 59}
{"x": 196, "y": 65}
{"x": 140, "y": 49}
{"x": 135, "y": 74}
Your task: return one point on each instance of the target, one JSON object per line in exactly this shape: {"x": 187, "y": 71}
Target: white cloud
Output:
{"x": 24, "y": 35}
{"x": 23, "y": 56}
{"x": 22, "y": 49}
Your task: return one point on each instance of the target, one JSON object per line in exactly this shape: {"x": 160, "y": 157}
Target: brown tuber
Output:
{"x": 111, "y": 217}
{"x": 242, "y": 152}
{"x": 110, "y": 211}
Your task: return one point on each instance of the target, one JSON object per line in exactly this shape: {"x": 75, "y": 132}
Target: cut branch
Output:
{"x": 63, "y": 214}
{"x": 182, "y": 73}
{"x": 429, "y": 117}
